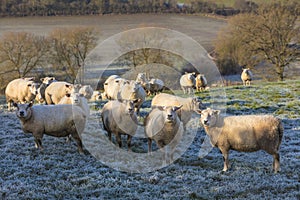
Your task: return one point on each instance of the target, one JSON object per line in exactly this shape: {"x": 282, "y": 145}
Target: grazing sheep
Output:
{"x": 246, "y": 77}
{"x": 163, "y": 125}
{"x": 189, "y": 105}
{"x": 187, "y": 82}
{"x": 86, "y": 91}
{"x": 118, "y": 117}
{"x": 53, "y": 120}
{"x": 20, "y": 90}
{"x": 46, "y": 81}
{"x": 246, "y": 133}
{"x": 133, "y": 90}
{"x": 201, "y": 83}
{"x": 57, "y": 90}
{"x": 152, "y": 86}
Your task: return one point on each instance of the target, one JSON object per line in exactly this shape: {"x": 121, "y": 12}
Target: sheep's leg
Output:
{"x": 129, "y": 137}
{"x": 109, "y": 135}
{"x": 276, "y": 162}
{"x": 78, "y": 142}
{"x": 225, "y": 154}
{"x": 119, "y": 139}
{"x": 38, "y": 142}
{"x": 149, "y": 146}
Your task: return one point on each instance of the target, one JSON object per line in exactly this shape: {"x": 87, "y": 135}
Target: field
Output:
{"x": 106, "y": 172}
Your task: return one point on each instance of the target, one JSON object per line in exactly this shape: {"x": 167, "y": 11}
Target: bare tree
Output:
{"x": 267, "y": 35}
{"x": 21, "y": 52}
{"x": 70, "y": 47}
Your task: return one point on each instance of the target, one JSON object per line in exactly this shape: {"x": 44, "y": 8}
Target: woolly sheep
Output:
{"x": 113, "y": 87}
{"x": 246, "y": 133}
{"x": 57, "y": 90}
{"x": 46, "y": 81}
{"x": 76, "y": 99}
{"x": 53, "y": 120}
{"x": 246, "y": 77}
{"x": 20, "y": 90}
{"x": 118, "y": 117}
{"x": 96, "y": 96}
{"x": 163, "y": 125}
{"x": 86, "y": 91}
{"x": 189, "y": 105}
{"x": 201, "y": 82}
{"x": 133, "y": 90}
{"x": 152, "y": 86}
{"x": 187, "y": 82}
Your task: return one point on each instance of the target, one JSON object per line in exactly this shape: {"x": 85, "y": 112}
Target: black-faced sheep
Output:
{"x": 118, "y": 117}
{"x": 246, "y": 77}
{"x": 46, "y": 81}
{"x": 246, "y": 133}
{"x": 163, "y": 125}
{"x": 20, "y": 90}
{"x": 187, "y": 82}
{"x": 53, "y": 120}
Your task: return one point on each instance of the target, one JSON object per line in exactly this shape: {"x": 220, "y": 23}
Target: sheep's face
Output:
{"x": 197, "y": 104}
{"x": 75, "y": 98}
{"x": 209, "y": 117}
{"x": 170, "y": 113}
{"x": 23, "y": 110}
{"x": 33, "y": 88}
{"x": 129, "y": 107}
{"x": 48, "y": 80}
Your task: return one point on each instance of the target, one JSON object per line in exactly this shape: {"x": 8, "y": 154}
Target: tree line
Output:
{"x": 95, "y": 7}
{"x": 62, "y": 53}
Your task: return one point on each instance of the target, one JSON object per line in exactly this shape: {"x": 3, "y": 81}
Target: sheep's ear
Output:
{"x": 15, "y": 105}
{"x": 177, "y": 107}
{"x": 42, "y": 79}
{"x": 199, "y": 111}
{"x": 216, "y": 112}
{"x": 30, "y": 104}
{"x": 68, "y": 85}
{"x": 135, "y": 100}
{"x": 29, "y": 84}
{"x": 68, "y": 95}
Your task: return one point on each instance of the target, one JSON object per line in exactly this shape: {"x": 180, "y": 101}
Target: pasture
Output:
{"x": 60, "y": 172}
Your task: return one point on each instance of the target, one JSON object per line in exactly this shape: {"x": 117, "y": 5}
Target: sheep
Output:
{"x": 152, "y": 86}
{"x": 201, "y": 82}
{"x": 187, "y": 82}
{"x": 190, "y": 105}
{"x": 246, "y": 133}
{"x": 118, "y": 117}
{"x": 112, "y": 87}
{"x": 96, "y": 96}
{"x": 87, "y": 91}
{"x": 246, "y": 77}
{"x": 53, "y": 120}
{"x": 46, "y": 81}
{"x": 133, "y": 90}
{"x": 77, "y": 99}
{"x": 57, "y": 90}
{"x": 164, "y": 127}
{"x": 20, "y": 90}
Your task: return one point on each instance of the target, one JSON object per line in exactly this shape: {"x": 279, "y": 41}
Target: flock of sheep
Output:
{"x": 66, "y": 111}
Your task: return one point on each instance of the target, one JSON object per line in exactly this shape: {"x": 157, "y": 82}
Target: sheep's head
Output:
{"x": 169, "y": 112}
{"x": 48, "y": 80}
{"x": 23, "y": 110}
{"x": 196, "y": 104}
{"x": 129, "y": 106}
{"x": 33, "y": 88}
{"x": 209, "y": 117}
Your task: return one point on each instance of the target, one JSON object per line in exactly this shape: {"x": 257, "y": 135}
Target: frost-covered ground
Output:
{"x": 60, "y": 172}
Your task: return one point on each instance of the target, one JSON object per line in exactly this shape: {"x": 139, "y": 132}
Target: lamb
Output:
{"x": 133, "y": 90}
{"x": 86, "y": 91}
{"x": 246, "y": 77}
{"x": 57, "y": 90}
{"x": 118, "y": 117}
{"x": 187, "y": 82}
{"x": 53, "y": 120}
{"x": 46, "y": 81}
{"x": 201, "y": 83}
{"x": 163, "y": 125}
{"x": 189, "y": 105}
{"x": 20, "y": 90}
{"x": 246, "y": 133}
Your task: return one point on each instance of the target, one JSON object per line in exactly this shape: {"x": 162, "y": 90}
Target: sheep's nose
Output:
{"x": 205, "y": 121}
{"x": 22, "y": 113}
{"x": 130, "y": 109}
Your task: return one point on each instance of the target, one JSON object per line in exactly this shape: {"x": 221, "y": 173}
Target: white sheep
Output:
{"x": 76, "y": 99}
{"x": 112, "y": 87}
{"x": 247, "y": 133}
{"x": 132, "y": 90}
{"x": 152, "y": 86}
{"x": 187, "y": 82}
{"x": 164, "y": 126}
{"x": 118, "y": 117}
{"x": 201, "y": 82}
{"x": 189, "y": 105}
{"x": 86, "y": 91}
{"x": 246, "y": 77}
{"x": 57, "y": 90}
{"x": 53, "y": 120}
{"x": 20, "y": 90}
{"x": 96, "y": 96}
